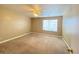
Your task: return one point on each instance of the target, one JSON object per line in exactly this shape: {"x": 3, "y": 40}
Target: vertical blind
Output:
{"x": 50, "y": 25}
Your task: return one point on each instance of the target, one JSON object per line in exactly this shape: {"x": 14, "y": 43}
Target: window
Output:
{"x": 50, "y": 25}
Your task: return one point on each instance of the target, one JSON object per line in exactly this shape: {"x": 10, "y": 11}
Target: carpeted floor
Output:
{"x": 35, "y": 43}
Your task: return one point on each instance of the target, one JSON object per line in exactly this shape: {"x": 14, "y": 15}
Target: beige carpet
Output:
{"x": 35, "y": 43}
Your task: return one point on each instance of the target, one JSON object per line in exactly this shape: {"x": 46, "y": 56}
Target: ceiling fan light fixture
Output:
{"x": 35, "y": 14}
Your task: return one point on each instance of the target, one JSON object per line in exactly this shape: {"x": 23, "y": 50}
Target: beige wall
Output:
{"x": 37, "y": 24}
{"x": 12, "y": 24}
{"x": 71, "y": 27}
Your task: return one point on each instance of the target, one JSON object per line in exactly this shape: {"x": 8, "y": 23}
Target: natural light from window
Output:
{"x": 50, "y": 25}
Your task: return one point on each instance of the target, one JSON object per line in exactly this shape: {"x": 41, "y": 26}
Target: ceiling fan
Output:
{"x": 35, "y": 9}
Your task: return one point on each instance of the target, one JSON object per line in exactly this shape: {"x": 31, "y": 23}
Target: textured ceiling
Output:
{"x": 23, "y": 9}
{"x": 46, "y": 9}
{"x": 53, "y": 9}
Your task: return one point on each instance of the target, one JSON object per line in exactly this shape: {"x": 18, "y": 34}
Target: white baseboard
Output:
{"x": 66, "y": 43}
{"x": 45, "y": 33}
{"x": 14, "y": 38}
{"x": 68, "y": 47}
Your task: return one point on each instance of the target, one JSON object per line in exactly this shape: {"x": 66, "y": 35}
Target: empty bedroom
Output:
{"x": 39, "y": 28}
